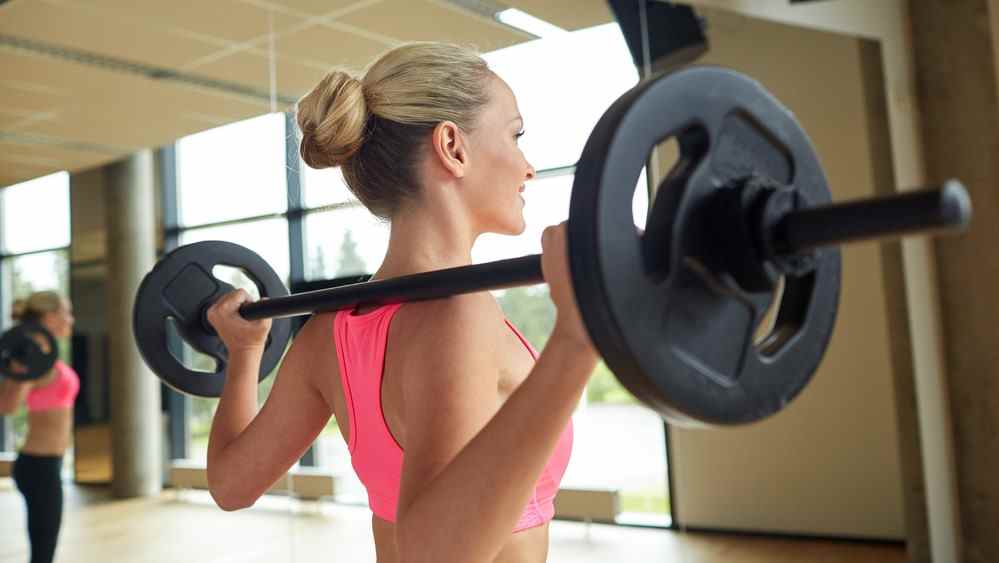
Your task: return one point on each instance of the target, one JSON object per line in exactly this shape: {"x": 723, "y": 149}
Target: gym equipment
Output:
{"x": 27, "y": 352}
{"x": 180, "y": 288}
{"x": 742, "y": 223}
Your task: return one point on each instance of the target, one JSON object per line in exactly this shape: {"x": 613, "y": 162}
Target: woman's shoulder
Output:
{"x": 462, "y": 316}
{"x": 317, "y": 331}
{"x": 65, "y": 368}
{"x": 438, "y": 343}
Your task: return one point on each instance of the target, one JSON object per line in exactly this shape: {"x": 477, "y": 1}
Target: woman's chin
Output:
{"x": 517, "y": 229}
{"x": 513, "y": 227}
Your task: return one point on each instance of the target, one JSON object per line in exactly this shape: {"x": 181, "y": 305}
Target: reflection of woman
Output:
{"x": 50, "y": 417}
{"x": 459, "y": 431}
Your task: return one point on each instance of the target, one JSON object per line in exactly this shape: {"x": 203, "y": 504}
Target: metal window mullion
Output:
{"x": 296, "y": 234}
{"x": 178, "y": 405}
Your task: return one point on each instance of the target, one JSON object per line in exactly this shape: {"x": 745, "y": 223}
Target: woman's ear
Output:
{"x": 450, "y": 148}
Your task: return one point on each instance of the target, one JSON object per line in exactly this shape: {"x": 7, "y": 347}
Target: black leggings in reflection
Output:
{"x": 38, "y": 479}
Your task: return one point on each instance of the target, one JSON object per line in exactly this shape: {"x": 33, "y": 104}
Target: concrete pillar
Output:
{"x": 956, "y": 71}
{"x": 136, "y": 422}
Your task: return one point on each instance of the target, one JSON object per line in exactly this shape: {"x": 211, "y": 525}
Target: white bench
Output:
{"x": 588, "y": 505}
{"x": 306, "y": 482}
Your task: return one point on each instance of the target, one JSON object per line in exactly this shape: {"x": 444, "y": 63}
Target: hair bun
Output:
{"x": 332, "y": 118}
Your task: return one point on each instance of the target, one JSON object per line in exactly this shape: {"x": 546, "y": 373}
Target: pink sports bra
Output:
{"x": 60, "y": 393}
{"x": 375, "y": 455}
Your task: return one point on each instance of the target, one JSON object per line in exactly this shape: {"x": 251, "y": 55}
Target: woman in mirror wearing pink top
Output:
{"x": 50, "y": 419}
{"x": 459, "y": 430}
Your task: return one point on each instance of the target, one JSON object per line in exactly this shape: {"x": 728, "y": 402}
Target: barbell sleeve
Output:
{"x": 936, "y": 209}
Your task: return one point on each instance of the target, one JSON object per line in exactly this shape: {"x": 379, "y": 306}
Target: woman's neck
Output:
{"x": 427, "y": 238}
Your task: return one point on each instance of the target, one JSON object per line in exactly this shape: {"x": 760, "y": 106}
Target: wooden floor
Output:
{"x": 186, "y": 527}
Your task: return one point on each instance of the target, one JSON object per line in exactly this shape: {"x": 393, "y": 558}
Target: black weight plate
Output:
{"x": 181, "y": 287}
{"x": 676, "y": 336}
{"x": 27, "y": 352}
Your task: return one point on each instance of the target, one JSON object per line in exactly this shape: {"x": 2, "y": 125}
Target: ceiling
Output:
{"x": 85, "y": 82}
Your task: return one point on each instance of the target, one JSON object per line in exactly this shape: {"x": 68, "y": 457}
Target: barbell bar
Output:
{"x": 742, "y": 225}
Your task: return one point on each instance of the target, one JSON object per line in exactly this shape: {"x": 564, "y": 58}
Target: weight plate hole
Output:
{"x": 768, "y": 324}
{"x": 237, "y": 278}
{"x": 185, "y": 354}
{"x": 791, "y": 302}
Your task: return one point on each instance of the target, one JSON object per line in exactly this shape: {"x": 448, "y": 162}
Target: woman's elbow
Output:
{"x": 226, "y": 493}
{"x": 230, "y": 503}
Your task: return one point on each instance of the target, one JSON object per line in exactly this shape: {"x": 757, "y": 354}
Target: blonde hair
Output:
{"x": 373, "y": 126}
{"x": 35, "y": 306}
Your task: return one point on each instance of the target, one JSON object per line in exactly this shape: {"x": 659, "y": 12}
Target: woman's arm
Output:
{"x": 247, "y": 451}
{"x": 469, "y": 469}
{"x": 44, "y": 380}
{"x": 12, "y": 392}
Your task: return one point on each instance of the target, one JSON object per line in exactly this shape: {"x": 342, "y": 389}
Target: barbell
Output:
{"x": 741, "y": 225}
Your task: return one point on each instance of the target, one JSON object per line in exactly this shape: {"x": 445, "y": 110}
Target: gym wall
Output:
{"x": 830, "y": 463}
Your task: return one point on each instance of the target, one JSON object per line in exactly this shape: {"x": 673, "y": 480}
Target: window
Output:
{"x": 563, "y": 85}
{"x": 323, "y": 187}
{"x": 232, "y": 172}
{"x": 227, "y": 179}
{"x": 267, "y": 237}
{"x": 610, "y": 424}
{"x": 35, "y": 248}
{"x": 619, "y": 444}
{"x": 343, "y": 242}
{"x": 36, "y": 215}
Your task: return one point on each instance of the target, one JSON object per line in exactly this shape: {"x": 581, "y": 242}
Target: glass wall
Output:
{"x": 34, "y": 254}
{"x": 341, "y": 240}
{"x": 234, "y": 184}
{"x": 619, "y": 444}
{"x": 231, "y": 185}
{"x": 232, "y": 172}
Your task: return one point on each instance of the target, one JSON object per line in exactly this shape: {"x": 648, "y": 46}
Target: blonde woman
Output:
{"x": 458, "y": 429}
{"x": 50, "y": 419}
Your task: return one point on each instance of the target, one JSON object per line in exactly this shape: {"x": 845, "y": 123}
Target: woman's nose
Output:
{"x": 530, "y": 171}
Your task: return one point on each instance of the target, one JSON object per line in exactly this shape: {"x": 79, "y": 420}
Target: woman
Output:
{"x": 458, "y": 430}
{"x": 50, "y": 401}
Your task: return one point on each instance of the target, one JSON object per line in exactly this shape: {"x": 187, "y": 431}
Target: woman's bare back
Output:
{"x": 513, "y": 362}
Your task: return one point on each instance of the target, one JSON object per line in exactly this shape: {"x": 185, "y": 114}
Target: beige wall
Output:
{"x": 87, "y": 208}
{"x": 829, "y": 464}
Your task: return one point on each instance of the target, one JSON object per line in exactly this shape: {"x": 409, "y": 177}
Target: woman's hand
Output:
{"x": 237, "y": 333}
{"x": 555, "y": 266}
